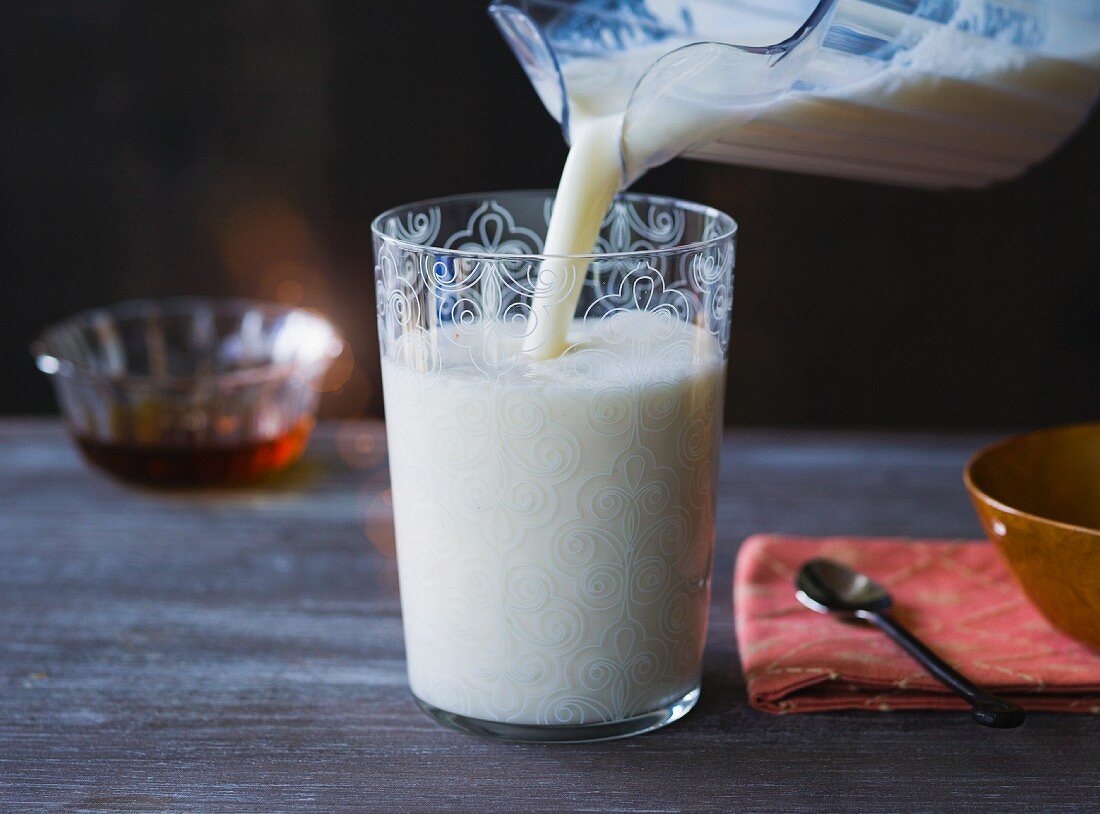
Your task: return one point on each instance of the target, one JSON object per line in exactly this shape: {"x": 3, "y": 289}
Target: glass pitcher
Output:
{"x": 929, "y": 93}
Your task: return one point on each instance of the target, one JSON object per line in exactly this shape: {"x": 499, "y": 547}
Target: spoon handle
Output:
{"x": 988, "y": 709}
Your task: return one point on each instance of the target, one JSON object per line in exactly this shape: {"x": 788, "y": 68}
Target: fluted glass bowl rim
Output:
{"x": 52, "y": 364}
{"x": 728, "y": 230}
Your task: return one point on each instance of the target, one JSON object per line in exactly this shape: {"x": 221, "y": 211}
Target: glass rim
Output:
{"x": 728, "y": 231}
{"x": 54, "y": 364}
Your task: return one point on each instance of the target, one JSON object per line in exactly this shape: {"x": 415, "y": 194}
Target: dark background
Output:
{"x": 242, "y": 148}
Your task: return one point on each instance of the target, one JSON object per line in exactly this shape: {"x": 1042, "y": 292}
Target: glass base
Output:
{"x": 565, "y": 733}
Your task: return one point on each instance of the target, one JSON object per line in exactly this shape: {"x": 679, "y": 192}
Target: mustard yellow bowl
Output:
{"x": 1038, "y": 497}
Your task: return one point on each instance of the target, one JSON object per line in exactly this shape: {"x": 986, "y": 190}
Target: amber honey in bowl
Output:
{"x": 232, "y": 464}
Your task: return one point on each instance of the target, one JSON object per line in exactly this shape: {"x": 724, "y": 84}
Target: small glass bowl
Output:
{"x": 189, "y": 390}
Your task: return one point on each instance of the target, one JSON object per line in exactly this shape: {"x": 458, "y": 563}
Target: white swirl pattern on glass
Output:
{"x": 554, "y": 521}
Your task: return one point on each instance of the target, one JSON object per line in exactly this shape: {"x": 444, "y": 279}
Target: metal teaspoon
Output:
{"x": 829, "y": 587}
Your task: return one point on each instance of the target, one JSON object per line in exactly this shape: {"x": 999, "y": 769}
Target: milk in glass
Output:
{"x": 555, "y": 523}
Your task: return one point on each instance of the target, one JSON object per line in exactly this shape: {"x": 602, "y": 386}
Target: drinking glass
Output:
{"x": 554, "y": 519}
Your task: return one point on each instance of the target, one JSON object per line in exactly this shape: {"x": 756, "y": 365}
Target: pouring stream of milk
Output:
{"x": 589, "y": 181}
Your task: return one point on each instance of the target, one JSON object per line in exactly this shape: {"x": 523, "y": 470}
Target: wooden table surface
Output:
{"x": 241, "y": 652}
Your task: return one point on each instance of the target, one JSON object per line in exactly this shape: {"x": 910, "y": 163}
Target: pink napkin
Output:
{"x": 957, "y": 596}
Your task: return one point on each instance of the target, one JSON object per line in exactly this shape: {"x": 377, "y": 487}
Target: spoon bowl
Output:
{"x": 827, "y": 586}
